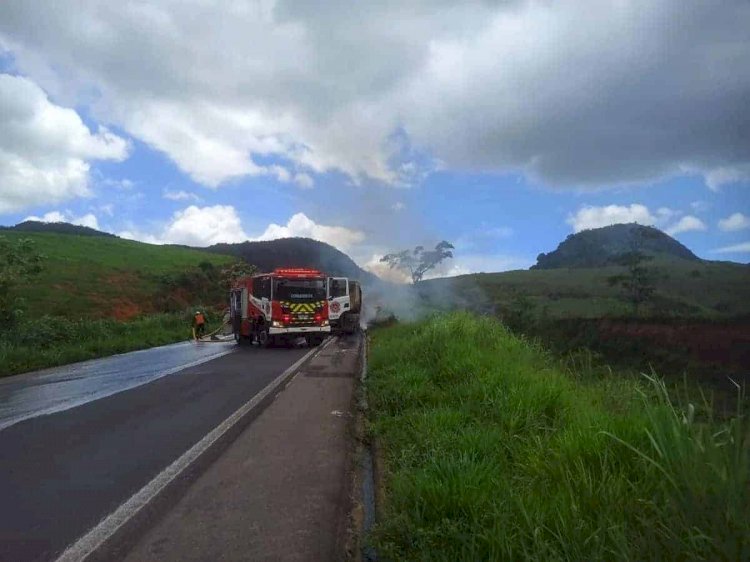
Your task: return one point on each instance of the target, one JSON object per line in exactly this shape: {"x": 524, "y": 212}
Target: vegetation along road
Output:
{"x": 490, "y": 450}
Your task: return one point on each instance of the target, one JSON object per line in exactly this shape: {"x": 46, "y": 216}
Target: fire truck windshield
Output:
{"x": 299, "y": 289}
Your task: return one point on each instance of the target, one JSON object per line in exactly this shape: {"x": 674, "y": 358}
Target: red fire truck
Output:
{"x": 279, "y": 307}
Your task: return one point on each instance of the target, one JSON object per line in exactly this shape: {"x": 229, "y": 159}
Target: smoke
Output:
{"x": 383, "y": 300}
{"x": 393, "y": 220}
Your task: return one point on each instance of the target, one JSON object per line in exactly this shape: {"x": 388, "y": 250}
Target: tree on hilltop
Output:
{"x": 419, "y": 261}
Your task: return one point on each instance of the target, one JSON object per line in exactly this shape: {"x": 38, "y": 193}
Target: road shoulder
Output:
{"x": 282, "y": 489}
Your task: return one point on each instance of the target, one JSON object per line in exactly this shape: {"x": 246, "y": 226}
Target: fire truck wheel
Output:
{"x": 264, "y": 339}
{"x": 313, "y": 341}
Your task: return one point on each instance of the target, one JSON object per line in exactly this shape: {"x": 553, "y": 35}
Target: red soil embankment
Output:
{"x": 706, "y": 342}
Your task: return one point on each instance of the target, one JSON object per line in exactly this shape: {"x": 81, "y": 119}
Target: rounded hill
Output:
{"x": 603, "y": 246}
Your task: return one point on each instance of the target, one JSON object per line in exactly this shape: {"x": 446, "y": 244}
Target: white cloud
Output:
{"x": 205, "y": 226}
{"x": 589, "y": 216}
{"x": 45, "y": 149}
{"x": 108, "y": 209}
{"x": 700, "y": 206}
{"x": 667, "y": 214}
{"x": 121, "y": 184}
{"x": 744, "y": 247}
{"x": 736, "y": 221}
{"x": 304, "y": 181}
{"x": 519, "y": 86}
{"x": 299, "y": 225}
{"x": 88, "y": 219}
{"x": 179, "y": 195}
{"x": 686, "y": 224}
{"x": 196, "y": 226}
{"x": 596, "y": 217}
{"x": 398, "y": 206}
{"x": 725, "y": 175}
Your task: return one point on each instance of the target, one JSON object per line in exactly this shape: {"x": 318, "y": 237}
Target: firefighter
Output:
{"x": 199, "y": 324}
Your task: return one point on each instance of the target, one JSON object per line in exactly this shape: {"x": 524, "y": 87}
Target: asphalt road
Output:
{"x": 60, "y": 474}
{"x": 60, "y": 388}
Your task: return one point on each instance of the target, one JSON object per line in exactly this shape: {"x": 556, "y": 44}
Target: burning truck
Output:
{"x": 280, "y": 307}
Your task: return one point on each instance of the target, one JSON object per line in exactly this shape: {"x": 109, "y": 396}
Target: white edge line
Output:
{"x": 96, "y": 537}
{"x": 61, "y": 407}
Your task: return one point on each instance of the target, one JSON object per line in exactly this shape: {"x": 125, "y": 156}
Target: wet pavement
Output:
{"x": 60, "y": 474}
{"x": 61, "y": 388}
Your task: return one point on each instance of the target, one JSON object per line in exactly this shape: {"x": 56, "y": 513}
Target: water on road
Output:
{"x": 60, "y": 388}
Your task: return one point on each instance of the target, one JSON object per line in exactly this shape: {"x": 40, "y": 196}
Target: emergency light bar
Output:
{"x": 298, "y": 272}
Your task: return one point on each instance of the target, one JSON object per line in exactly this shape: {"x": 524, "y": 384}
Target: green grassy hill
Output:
{"x": 103, "y": 276}
{"x": 684, "y": 288}
{"x": 698, "y": 322}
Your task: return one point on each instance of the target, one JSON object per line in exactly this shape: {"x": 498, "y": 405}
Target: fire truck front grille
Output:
{"x": 302, "y": 313}
{"x": 302, "y": 307}
{"x": 302, "y": 320}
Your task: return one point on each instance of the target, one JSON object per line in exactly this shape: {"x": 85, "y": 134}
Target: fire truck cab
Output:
{"x": 344, "y": 304}
{"x": 278, "y": 307}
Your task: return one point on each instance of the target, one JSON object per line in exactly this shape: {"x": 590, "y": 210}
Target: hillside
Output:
{"x": 296, "y": 252}
{"x": 697, "y": 323}
{"x": 103, "y": 276}
{"x": 92, "y": 273}
{"x": 266, "y": 255}
{"x": 602, "y": 246}
{"x": 55, "y": 227}
{"x": 684, "y": 288}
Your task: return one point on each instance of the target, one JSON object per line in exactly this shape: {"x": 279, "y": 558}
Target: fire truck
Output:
{"x": 278, "y": 307}
{"x": 344, "y": 304}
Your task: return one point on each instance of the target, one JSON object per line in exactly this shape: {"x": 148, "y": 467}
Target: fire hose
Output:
{"x": 212, "y": 336}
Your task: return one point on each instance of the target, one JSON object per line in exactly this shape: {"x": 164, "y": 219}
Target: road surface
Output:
{"x": 282, "y": 489}
{"x": 60, "y": 388}
{"x": 61, "y": 473}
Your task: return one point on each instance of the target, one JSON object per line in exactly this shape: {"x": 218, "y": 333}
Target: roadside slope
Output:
{"x": 490, "y": 451}
{"x": 102, "y": 276}
{"x": 694, "y": 289}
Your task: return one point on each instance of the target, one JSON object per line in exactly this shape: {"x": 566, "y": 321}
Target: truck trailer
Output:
{"x": 279, "y": 307}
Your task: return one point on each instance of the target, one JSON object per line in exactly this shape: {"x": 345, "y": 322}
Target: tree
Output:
{"x": 235, "y": 270}
{"x": 419, "y": 261}
{"x": 19, "y": 262}
{"x": 637, "y": 283}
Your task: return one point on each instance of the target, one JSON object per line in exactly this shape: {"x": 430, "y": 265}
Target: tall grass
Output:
{"x": 493, "y": 452}
{"x": 49, "y": 340}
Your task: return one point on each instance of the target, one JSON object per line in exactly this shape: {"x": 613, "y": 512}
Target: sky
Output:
{"x": 501, "y": 126}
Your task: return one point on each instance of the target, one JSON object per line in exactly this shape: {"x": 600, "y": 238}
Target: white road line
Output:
{"x": 97, "y": 536}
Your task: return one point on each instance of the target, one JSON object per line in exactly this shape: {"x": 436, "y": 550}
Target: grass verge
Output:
{"x": 493, "y": 452}
{"x": 50, "y": 341}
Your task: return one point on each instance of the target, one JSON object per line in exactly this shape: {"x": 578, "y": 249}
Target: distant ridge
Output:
{"x": 296, "y": 252}
{"x": 266, "y": 255}
{"x": 56, "y": 227}
{"x": 602, "y": 246}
